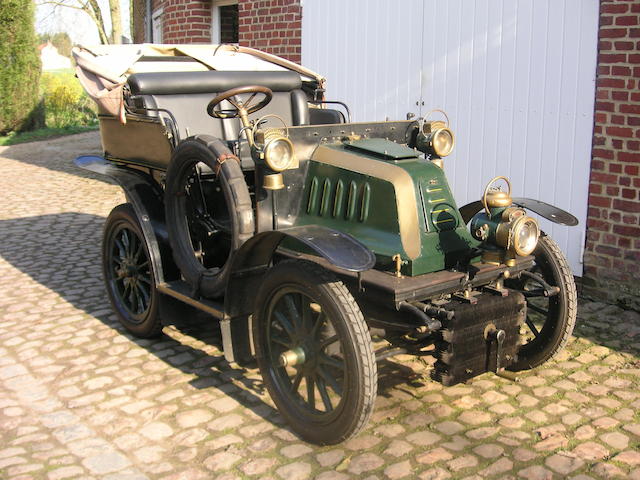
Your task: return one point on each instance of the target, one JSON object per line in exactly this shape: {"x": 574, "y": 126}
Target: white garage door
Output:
{"x": 517, "y": 78}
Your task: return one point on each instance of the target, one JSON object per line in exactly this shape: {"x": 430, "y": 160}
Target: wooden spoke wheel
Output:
{"x": 128, "y": 273}
{"x": 550, "y": 318}
{"x": 314, "y": 352}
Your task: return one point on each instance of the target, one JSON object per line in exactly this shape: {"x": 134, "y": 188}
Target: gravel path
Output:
{"x": 82, "y": 399}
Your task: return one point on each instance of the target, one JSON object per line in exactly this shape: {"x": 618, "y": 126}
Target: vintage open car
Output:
{"x": 254, "y": 199}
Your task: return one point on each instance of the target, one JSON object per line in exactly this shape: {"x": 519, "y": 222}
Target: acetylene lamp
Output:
{"x": 506, "y": 231}
{"x": 276, "y": 150}
{"x": 435, "y": 138}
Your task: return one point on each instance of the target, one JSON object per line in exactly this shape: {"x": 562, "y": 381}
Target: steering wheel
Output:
{"x": 240, "y": 107}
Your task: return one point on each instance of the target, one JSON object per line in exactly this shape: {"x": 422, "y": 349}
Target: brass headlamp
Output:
{"x": 274, "y": 146}
{"x": 435, "y": 138}
{"x": 504, "y": 226}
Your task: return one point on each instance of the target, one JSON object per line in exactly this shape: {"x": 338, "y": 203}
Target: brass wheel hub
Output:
{"x": 290, "y": 358}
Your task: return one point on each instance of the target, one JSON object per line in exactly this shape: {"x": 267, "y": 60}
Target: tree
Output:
{"x": 20, "y": 60}
{"x": 92, "y": 8}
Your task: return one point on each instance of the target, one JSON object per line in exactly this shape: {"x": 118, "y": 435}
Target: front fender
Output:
{"x": 252, "y": 259}
{"x": 550, "y": 212}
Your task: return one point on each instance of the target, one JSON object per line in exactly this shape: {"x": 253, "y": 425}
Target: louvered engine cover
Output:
{"x": 463, "y": 349}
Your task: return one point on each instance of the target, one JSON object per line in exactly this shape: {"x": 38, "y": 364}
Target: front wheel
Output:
{"x": 128, "y": 273}
{"x": 550, "y": 319}
{"x": 314, "y": 352}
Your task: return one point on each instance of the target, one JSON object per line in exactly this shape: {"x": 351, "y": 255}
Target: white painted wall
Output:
{"x": 517, "y": 78}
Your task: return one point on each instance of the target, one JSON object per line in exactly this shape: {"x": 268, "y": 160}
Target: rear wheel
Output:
{"x": 128, "y": 273}
{"x": 314, "y": 352}
{"x": 550, "y": 319}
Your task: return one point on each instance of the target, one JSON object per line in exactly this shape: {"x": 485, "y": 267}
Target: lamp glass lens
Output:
{"x": 527, "y": 238}
{"x": 279, "y": 154}
{"x": 443, "y": 142}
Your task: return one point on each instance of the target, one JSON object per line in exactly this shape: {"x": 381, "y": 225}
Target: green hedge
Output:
{"x": 19, "y": 67}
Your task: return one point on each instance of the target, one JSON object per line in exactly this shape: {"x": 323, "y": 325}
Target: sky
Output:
{"x": 52, "y": 19}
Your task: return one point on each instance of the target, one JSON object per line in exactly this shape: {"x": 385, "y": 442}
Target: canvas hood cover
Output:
{"x": 103, "y": 69}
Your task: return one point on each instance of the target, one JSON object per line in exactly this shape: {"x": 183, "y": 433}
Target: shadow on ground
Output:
{"x": 62, "y": 253}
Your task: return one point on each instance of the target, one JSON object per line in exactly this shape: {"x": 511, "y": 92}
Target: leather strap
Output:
{"x": 223, "y": 158}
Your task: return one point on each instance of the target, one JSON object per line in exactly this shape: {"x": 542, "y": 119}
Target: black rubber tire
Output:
{"x": 147, "y": 323}
{"x": 342, "y": 319}
{"x": 562, "y": 308}
{"x": 210, "y": 282}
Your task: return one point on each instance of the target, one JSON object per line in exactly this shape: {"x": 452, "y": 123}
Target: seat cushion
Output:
{"x": 187, "y": 94}
{"x": 174, "y": 83}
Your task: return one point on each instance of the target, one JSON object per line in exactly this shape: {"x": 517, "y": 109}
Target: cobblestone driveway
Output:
{"x": 79, "y": 398}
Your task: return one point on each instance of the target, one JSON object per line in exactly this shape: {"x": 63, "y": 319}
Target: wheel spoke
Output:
{"x": 133, "y": 302}
{"x": 140, "y": 305}
{"x": 281, "y": 341}
{"x": 331, "y": 361}
{"x": 316, "y": 326}
{"x": 127, "y": 287}
{"x": 126, "y": 241}
{"x": 133, "y": 246}
{"x": 535, "y": 308}
{"x": 328, "y": 378}
{"x": 328, "y": 341}
{"x": 296, "y": 381}
{"x": 145, "y": 295}
{"x": 532, "y": 326}
{"x": 311, "y": 398}
{"x": 121, "y": 249}
{"x": 137, "y": 253}
{"x": 307, "y": 314}
{"x": 284, "y": 322}
{"x": 293, "y": 311}
{"x": 322, "y": 388}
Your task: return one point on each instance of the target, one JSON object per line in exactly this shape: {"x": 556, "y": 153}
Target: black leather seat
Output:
{"x": 171, "y": 83}
{"x": 186, "y": 95}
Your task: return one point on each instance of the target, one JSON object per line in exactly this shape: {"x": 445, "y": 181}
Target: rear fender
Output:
{"x": 550, "y": 212}
{"x": 146, "y": 197}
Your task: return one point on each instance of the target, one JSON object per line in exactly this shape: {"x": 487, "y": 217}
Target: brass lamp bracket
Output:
{"x": 442, "y": 124}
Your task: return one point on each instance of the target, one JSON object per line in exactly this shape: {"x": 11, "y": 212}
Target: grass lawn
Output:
{"x": 43, "y": 134}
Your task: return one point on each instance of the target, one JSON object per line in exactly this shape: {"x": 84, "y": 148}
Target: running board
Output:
{"x": 181, "y": 291}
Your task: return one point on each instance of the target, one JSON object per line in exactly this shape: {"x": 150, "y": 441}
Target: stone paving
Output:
{"x": 82, "y": 399}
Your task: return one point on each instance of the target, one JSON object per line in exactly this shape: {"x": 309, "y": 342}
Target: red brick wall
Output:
{"x": 612, "y": 257}
{"x": 274, "y": 26}
{"x": 185, "y": 21}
